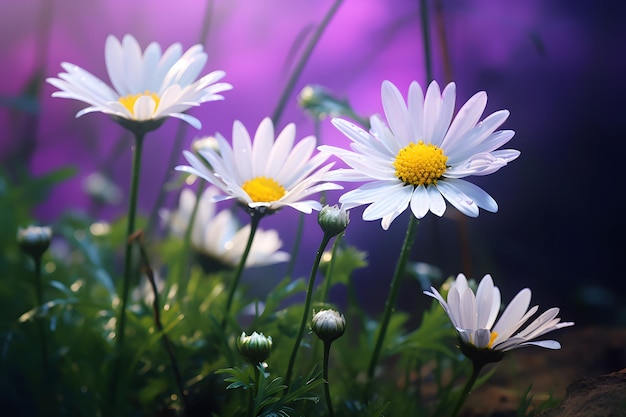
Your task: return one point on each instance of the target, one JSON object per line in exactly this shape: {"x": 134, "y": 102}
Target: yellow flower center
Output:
{"x": 130, "y": 100}
{"x": 263, "y": 189}
{"x": 492, "y": 339}
{"x": 420, "y": 164}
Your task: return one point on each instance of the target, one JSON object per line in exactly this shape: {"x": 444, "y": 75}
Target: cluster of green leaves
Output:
{"x": 87, "y": 373}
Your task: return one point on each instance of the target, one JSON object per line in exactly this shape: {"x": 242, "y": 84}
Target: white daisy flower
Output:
{"x": 474, "y": 315}
{"x": 420, "y": 158}
{"x": 264, "y": 174}
{"x": 219, "y": 235}
{"x": 148, "y": 86}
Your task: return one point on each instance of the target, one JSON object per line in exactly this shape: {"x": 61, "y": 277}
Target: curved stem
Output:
{"x": 307, "y": 306}
{"x": 156, "y": 305}
{"x": 476, "y": 368}
{"x": 303, "y": 60}
{"x": 390, "y": 304}
{"x": 331, "y": 266}
{"x": 255, "y": 218}
{"x": 184, "y": 272}
{"x": 132, "y": 209}
{"x": 329, "y": 403}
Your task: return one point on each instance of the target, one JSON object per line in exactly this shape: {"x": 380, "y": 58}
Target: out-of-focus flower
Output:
{"x": 255, "y": 348}
{"x": 328, "y": 325}
{"x": 320, "y": 103}
{"x": 421, "y": 156}
{"x": 474, "y": 315}
{"x": 220, "y": 236}
{"x": 333, "y": 220}
{"x": 147, "y": 87}
{"x": 100, "y": 188}
{"x": 34, "y": 240}
{"x": 267, "y": 173}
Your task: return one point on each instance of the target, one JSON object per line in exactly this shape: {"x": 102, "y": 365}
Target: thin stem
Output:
{"x": 296, "y": 246}
{"x": 184, "y": 272}
{"x": 307, "y": 305}
{"x": 331, "y": 267}
{"x": 167, "y": 344}
{"x": 255, "y": 392}
{"x": 255, "y": 218}
{"x": 390, "y": 304}
{"x": 297, "y": 71}
{"x": 329, "y": 403}
{"x": 182, "y": 127}
{"x": 426, "y": 39}
{"x": 476, "y": 368}
{"x": 40, "y": 323}
{"x": 132, "y": 211}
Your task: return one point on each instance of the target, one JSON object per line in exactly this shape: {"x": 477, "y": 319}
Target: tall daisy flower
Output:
{"x": 474, "y": 317}
{"x": 218, "y": 235}
{"x": 420, "y": 157}
{"x": 266, "y": 173}
{"x": 147, "y": 88}
{"x": 483, "y": 339}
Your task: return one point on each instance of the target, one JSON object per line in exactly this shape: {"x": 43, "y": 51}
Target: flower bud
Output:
{"x": 206, "y": 142}
{"x": 255, "y": 348}
{"x": 34, "y": 240}
{"x": 328, "y": 325}
{"x": 333, "y": 220}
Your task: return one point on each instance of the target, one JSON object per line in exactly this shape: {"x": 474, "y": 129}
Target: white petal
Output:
{"x": 420, "y": 202}
{"x": 395, "y": 110}
{"x": 457, "y": 198}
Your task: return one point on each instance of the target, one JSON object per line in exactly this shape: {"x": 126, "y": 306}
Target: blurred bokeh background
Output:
{"x": 557, "y": 66}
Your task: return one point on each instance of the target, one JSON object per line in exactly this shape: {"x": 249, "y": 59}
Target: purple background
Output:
{"x": 557, "y": 66}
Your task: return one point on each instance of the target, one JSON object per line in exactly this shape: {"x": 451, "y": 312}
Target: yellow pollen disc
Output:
{"x": 420, "y": 164}
{"x": 492, "y": 339}
{"x": 130, "y": 100}
{"x": 263, "y": 189}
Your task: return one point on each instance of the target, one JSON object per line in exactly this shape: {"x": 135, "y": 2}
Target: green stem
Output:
{"x": 329, "y": 403}
{"x": 307, "y": 305}
{"x": 40, "y": 322}
{"x": 331, "y": 267}
{"x": 255, "y": 218}
{"x": 167, "y": 344}
{"x": 132, "y": 210}
{"x": 426, "y": 39}
{"x": 390, "y": 304}
{"x": 254, "y": 393}
{"x": 476, "y": 368}
{"x": 181, "y": 131}
{"x": 297, "y": 71}
{"x": 184, "y": 272}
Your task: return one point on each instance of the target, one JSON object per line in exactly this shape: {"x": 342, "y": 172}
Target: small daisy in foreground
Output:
{"x": 147, "y": 87}
{"x": 474, "y": 315}
{"x": 218, "y": 236}
{"x": 266, "y": 173}
{"x": 420, "y": 158}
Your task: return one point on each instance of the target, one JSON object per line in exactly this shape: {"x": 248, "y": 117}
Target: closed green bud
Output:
{"x": 328, "y": 325}
{"x": 255, "y": 348}
{"x": 333, "y": 220}
{"x": 34, "y": 240}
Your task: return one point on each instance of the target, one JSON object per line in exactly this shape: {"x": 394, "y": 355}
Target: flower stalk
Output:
{"x": 132, "y": 211}
{"x": 255, "y": 217}
{"x": 307, "y": 305}
{"x": 167, "y": 344}
{"x": 390, "y": 303}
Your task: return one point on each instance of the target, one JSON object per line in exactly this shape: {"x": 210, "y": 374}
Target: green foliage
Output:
{"x": 82, "y": 371}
